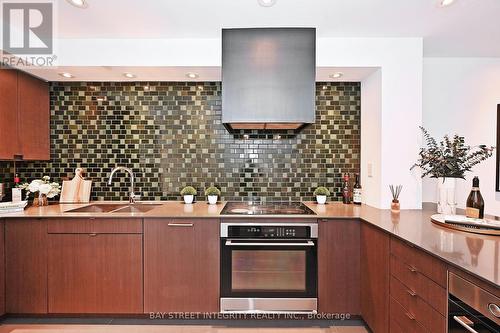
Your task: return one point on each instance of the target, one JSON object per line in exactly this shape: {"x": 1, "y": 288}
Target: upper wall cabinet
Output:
{"x": 24, "y": 117}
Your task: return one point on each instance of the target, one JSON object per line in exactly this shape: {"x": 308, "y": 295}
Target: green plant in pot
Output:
{"x": 449, "y": 160}
{"x": 212, "y": 194}
{"x": 188, "y": 194}
{"x": 321, "y": 193}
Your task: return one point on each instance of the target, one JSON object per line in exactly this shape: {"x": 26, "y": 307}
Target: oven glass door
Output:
{"x": 464, "y": 319}
{"x": 264, "y": 268}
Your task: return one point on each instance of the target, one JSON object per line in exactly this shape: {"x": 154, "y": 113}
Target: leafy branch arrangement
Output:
{"x": 451, "y": 157}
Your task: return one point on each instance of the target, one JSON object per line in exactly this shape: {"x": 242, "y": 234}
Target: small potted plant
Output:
{"x": 321, "y": 193}
{"x": 212, "y": 194}
{"x": 188, "y": 194}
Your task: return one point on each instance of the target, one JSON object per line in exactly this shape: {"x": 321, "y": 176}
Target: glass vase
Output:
{"x": 40, "y": 200}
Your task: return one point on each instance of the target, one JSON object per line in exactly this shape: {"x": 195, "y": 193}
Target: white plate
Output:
{"x": 464, "y": 220}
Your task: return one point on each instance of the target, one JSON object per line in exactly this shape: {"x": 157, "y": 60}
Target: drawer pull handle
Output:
{"x": 412, "y": 269}
{"x": 494, "y": 309}
{"x": 93, "y": 234}
{"x": 465, "y": 322}
{"x": 411, "y": 292}
{"x": 186, "y": 225}
{"x": 410, "y": 316}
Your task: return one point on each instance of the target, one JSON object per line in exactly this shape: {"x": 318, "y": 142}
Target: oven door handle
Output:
{"x": 464, "y": 322}
{"x": 231, "y": 243}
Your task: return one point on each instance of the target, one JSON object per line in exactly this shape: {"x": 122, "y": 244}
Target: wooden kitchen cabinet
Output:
{"x": 33, "y": 118}
{"x": 375, "y": 277}
{"x": 8, "y": 114}
{"x": 95, "y": 272}
{"x": 339, "y": 266}
{"x": 2, "y": 268}
{"x": 417, "y": 289}
{"x": 26, "y": 266}
{"x": 24, "y": 116}
{"x": 181, "y": 265}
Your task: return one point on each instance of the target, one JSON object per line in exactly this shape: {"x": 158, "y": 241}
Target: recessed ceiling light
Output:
{"x": 267, "y": 3}
{"x": 129, "y": 75}
{"x": 146, "y": 87}
{"x": 78, "y": 3}
{"x": 192, "y": 75}
{"x": 337, "y": 75}
{"x": 446, "y": 3}
{"x": 66, "y": 75}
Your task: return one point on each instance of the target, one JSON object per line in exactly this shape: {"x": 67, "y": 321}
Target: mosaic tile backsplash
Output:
{"x": 171, "y": 135}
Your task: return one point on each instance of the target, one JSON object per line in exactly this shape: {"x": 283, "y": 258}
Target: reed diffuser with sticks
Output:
{"x": 395, "y": 191}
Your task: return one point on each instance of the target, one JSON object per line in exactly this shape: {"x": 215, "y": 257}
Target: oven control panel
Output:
{"x": 257, "y": 231}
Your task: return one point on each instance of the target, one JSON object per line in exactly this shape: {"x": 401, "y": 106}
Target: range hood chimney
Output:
{"x": 268, "y": 78}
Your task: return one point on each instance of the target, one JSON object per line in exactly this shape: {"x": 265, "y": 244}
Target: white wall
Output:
{"x": 400, "y": 61}
{"x": 461, "y": 96}
{"x": 371, "y": 126}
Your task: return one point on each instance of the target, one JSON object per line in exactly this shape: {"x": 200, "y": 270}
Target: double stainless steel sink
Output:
{"x": 115, "y": 208}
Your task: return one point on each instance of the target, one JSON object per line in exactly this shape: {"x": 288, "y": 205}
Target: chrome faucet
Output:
{"x": 132, "y": 196}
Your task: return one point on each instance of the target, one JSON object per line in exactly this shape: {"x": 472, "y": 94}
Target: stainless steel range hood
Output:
{"x": 268, "y": 78}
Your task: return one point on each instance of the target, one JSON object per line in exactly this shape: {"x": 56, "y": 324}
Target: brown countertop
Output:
{"x": 476, "y": 254}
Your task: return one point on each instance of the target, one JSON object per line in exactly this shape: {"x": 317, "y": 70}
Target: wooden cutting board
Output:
{"x": 76, "y": 190}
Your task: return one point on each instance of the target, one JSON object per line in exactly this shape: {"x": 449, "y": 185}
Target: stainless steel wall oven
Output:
{"x": 269, "y": 267}
{"x": 471, "y": 309}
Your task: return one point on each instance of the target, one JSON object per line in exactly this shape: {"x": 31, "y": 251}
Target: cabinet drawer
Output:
{"x": 97, "y": 226}
{"x": 428, "y": 317}
{"x": 422, "y": 262}
{"x": 403, "y": 320}
{"x": 422, "y": 286}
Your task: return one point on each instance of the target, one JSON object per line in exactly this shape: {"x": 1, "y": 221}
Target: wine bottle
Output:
{"x": 346, "y": 190}
{"x": 16, "y": 191}
{"x": 475, "y": 202}
{"x": 356, "y": 192}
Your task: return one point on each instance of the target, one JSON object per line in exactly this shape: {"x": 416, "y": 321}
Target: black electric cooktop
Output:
{"x": 266, "y": 208}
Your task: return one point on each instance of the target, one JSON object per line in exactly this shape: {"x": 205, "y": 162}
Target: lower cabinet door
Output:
{"x": 181, "y": 265}
{"x": 375, "y": 278}
{"x": 96, "y": 273}
{"x": 26, "y": 266}
{"x": 2, "y": 269}
{"x": 338, "y": 267}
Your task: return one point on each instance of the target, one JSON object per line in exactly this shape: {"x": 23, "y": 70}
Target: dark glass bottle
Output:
{"x": 356, "y": 191}
{"x": 346, "y": 190}
{"x": 475, "y": 202}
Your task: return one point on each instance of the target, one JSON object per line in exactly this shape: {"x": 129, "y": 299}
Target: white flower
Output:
{"x": 34, "y": 186}
{"x": 45, "y": 188}
{"x": 54, "y": 190}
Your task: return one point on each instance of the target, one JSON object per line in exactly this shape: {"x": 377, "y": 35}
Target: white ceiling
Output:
{"x": 145, "y": 74}
{"x": 467, "y": 28}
